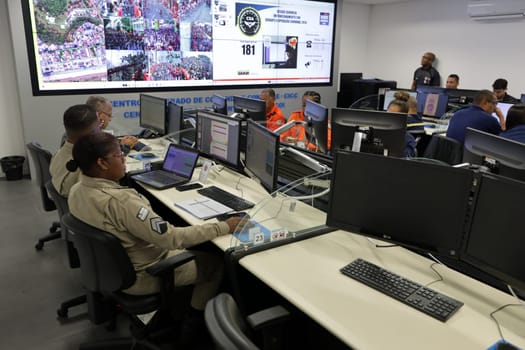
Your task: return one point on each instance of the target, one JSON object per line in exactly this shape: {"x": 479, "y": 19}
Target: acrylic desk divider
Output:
{"x": 284, "y": 215}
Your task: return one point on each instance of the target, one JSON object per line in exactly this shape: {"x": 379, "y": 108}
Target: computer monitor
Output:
{"x": 427, "y": 89}
{"x": 174, "y": 120}
{"x": 220, "y": 105}
{"x": 262, "y": 155}
{"x": 317, "y": 115}
{"x": 502, "y": 156}
{"x": 432, "y": 104}
{"x": 218, "y": 137}
{"x": 494, "y": 243}
{"x": 153, "y": 113}
{"x": 374, "y": 196}
{"x": 522, "y": 98}
{"x": 385, "y": 132}
{"x": 389, "y": 97}
{"x": 461, "y": 96}
{"x": 254, "y": 109}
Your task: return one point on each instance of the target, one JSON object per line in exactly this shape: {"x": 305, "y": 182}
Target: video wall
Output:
{"x": 87, "y": 45}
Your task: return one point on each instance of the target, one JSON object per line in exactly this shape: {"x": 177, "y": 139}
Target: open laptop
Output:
{"x": 177, "y": 168}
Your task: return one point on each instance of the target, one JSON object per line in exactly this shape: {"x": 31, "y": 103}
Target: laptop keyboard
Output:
{"x": 162, "y": 177}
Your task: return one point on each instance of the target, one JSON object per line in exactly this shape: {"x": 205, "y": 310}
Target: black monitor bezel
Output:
{"x": 479, "y": 144}
{"x": 375, "y": 119}
{"x": 226, "y": 119}
{"x": 245, "y": 106}
{"x": 407, "y": 165}
{"x": 170, "y": 120}
{"x": 219, "y": 104}
{"x": 273, "y": 186}
{"x": 319, "y": 123}
{"x": 479, "y": 262}
{"x": 144, "y": 125}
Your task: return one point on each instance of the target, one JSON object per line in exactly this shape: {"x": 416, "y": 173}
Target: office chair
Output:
{"x": 444, "y": 149}
{"x": 107, "y": 270}
{"x": 63, "y": 208}
{"x": 41, "y": 159}
{"x": 230, "y": 331}
{"x": 369, "y": 102}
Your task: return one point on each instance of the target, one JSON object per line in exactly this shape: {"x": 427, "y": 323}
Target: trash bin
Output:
{"x": 13, "y": 167}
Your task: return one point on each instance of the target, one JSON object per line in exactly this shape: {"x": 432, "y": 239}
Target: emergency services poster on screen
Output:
{"x": 98, "y": 44}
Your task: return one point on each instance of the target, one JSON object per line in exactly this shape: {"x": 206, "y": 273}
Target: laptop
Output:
{"x": 177, "y": 168}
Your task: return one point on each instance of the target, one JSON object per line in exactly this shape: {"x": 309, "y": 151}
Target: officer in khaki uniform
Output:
{"x": 79, "y": 120}
{"x": 100, "y": 201}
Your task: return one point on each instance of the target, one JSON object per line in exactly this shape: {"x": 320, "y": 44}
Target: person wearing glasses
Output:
{"x": 79, "y": 120}
{"x": 426, "y": 74}
{"x": 98, "y": 200}
{"x": 477, "y": 116}
{"x": 105, "y": 112}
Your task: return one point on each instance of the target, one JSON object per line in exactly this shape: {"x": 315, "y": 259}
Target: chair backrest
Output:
{"x": 61, "y": 205}
{"x": 227, "y": 328}
{"x": 445, "y": 149}
{"x": 42, "y": 159}
{"x": 104, "y": 263}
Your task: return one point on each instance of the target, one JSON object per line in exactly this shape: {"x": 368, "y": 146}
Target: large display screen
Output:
{"x": 87, "y": 45}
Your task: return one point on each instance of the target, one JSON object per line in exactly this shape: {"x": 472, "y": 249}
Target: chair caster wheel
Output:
{"x": 39, "y": 246}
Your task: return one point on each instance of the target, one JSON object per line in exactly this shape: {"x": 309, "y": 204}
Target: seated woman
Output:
{"x": 400, "y": 105}
{"x": 100, "y": 201}
{"x": 515, "y": 124}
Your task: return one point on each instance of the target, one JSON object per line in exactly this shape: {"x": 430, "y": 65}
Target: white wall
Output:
{"x": 11, "y": 136}
{"x": 479, "y": 52}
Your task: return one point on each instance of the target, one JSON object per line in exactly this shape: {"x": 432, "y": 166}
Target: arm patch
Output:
{"x": 158, "y": 225}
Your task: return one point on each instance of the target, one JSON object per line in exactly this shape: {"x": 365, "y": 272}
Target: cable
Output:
{"x": 496, "y": 321}
{"x": 514, "y": 294}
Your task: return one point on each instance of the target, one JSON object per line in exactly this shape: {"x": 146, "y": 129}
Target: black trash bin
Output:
{"x": 13, "y": 167}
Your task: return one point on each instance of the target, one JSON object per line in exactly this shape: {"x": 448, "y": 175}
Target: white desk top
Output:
{"x": 307, "y": 274}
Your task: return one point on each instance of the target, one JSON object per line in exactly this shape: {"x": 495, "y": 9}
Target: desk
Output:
{"x": 307, "y": 274}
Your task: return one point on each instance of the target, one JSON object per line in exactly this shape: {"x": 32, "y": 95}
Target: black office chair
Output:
{"x": 369, "y": 102}
{"x": 107, "y": 270}
{"x": 41, "y": 159}
{"x": 63, "y": 208}
{"x": 230, "y": 331}
{"x": 444, "y": 149}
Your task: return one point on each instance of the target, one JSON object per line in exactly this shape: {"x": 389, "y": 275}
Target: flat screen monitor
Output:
{"x": 181, "y": 131}
{"x": 317, "y": 115}
{"x": 219, "y": 104}
{"x": 385, "y": 132}
{"x": 374, "y": 196}
{"x": 494, "y": 243}
{"x": 389, "y": 97}
{"x": 251, "y": 108}
{"x": 522, "y": 98}
{"x": 461, "y": 96}
{"x": 432, "y": 104}
{"x": 427, "y": 89}
{"x": 125, "y": 46}
{"x": 218, "y": 137}
{"x": 262, "y": 154}
{"x": 502, "y": 156}
{"x": 153, "y": 113}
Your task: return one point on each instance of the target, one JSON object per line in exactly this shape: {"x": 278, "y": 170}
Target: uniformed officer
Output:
{"x": 100, "y": 201}
{"x": 79, "y": 120}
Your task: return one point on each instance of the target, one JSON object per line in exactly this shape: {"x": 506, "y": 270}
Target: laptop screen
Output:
{"x": 180, "y": 160}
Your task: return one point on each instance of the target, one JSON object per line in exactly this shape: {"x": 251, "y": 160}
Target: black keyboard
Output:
{"x": 413, "y": 294}
{"x": 226, "y": 198}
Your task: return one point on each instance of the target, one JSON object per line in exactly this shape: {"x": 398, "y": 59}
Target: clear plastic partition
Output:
{"x": 286, "y": 214}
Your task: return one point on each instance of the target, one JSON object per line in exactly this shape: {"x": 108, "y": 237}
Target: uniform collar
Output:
{"x": 98, "y": 182}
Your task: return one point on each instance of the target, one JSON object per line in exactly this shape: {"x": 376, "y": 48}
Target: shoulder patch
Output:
{"x": 143, "y": 213}
{"x": 158, "y": 225}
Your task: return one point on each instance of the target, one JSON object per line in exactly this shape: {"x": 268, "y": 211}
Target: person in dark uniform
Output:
{"x": 515, "y": 124}
{"x": 499, "y": 87}
{"x": 426, "y": 74}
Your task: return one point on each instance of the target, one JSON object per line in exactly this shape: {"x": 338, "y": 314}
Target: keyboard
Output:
{"x": 226, "y": 198}
{"x": 408, "y": 292}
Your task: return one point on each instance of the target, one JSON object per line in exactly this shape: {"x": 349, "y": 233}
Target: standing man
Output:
{"x": 500, "y": 90}
{"x": 477, "y": 116}
{"x": 452, "y": 81}
{"x": 274, "y": 116}
{"x": 426, "y": 74}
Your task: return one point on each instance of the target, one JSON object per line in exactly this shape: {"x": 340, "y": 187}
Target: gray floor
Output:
{"x": 33, "y": 284}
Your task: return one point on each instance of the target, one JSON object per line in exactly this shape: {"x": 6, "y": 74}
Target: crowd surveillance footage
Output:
{"x": 104, "y": 44}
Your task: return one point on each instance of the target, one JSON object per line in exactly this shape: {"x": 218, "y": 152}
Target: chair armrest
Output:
{"x": 168, "y": 265}
{"x": 268, "y": 317}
